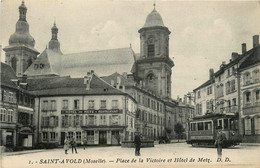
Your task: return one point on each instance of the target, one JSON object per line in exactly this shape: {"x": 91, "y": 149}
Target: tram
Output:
{"x": 202, "y": 129}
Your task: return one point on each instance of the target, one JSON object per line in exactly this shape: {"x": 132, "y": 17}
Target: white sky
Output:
{"x": 203, "y": 33}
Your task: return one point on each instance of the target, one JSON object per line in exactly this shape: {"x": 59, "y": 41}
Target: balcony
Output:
{"x": 232, "y": 109}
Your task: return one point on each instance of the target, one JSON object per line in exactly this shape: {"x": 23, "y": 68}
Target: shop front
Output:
{"x": 103, "y": 135}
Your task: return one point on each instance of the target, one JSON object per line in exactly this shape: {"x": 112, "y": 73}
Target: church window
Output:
{"x": 151, "y": 50}
{"x": 35, "y": 66}
{"x": 13, "y": 63}
{"x": 41, "y": 66}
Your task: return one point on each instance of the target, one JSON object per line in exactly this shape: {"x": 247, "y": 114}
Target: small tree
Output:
{"x": 178, "y": 128}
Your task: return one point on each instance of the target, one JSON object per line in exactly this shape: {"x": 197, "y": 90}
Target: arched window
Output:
{"x": 150, "y": 46}
{"x": 13, "y": 63}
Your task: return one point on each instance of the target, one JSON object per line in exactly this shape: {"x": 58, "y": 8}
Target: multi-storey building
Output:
{"x": 250, "y": 88}
{"x": 151, "y": 109}
{"x": 204, "y": 96}
{"x": 235, "y": 91}
{"x": 17, "y": 111}
{"x": 82, "y": 107}
{"x": 8, "y": 115}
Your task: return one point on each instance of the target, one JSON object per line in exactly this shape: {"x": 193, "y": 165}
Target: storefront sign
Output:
{"x": 90, "y": 111}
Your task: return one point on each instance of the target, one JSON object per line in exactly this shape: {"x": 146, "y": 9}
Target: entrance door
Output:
{"x": 62, "y": 138}
{"x": 102, "y": 137}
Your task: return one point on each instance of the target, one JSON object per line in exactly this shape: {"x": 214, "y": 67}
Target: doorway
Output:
{"x": 102, "y": 137}
{"x": 62, "y": 138}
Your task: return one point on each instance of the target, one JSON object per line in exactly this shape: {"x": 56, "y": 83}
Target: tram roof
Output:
{"x": 214, "y": 115}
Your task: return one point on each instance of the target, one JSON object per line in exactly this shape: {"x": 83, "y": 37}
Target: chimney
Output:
{"x": 234, "y": 56}
{"x": 112, "y": 83}
{"x": 24, "y": 78}
{"x": 118, "y": 83}
{"x": 87, "y": 79}
{"x": 124, "y": 74}
{"x": 243, "y": 48}
{"x": 255, "y": 41}
{"x": 211, "y": 73}
{"x": 185, "y": 99}
{"x": 223, "y": 64}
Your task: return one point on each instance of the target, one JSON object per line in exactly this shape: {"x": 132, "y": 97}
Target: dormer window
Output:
{"x": 41, "y": 66}
{"x": 35, "y": 66}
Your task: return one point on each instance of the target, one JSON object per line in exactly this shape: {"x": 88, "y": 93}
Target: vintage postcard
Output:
{"x": 116, "y": 83}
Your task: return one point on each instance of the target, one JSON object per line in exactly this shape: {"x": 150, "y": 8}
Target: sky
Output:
{"x": 203, "y": 33}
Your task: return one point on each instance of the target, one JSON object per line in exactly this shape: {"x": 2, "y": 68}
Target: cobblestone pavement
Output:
{"x": 163, "y": 155}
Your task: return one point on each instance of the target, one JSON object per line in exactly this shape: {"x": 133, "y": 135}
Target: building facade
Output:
{"x": 8, "y": 107}
{"x": 150, "y": 119}
{"x": 236, "y": 90}
{"x": 83, "y": 108}
{"x": 250, "y": 101}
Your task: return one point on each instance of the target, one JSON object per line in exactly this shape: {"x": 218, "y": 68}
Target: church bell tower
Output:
{"x": 21, "y": 53}
{"x": 154, "y": 65}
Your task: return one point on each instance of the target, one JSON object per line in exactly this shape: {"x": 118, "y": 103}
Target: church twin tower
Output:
{"x": 153, "y": 67}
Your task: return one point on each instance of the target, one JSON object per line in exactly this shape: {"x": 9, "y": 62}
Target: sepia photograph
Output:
{"x": 120, "y": 83}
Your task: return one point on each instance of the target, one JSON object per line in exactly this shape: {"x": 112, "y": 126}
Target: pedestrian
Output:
{"x": 220, "y": 141}
{"x": 84, "y": 142}
{"x": 73, "y": 145}
{"x": 137, "y": 142}
{"x": 66, "y": 145}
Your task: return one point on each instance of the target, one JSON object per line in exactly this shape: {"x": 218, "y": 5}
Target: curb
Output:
{"x": 249, "y": 144}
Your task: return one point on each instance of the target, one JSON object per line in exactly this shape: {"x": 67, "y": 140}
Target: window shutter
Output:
{"x": 74, "y": 121}
{"x": 48, "y": 121}
{"x": 70, "y": 124}
{"x": 81, "y": 120}
{"x": 42, "y": 121}
{"x": 56, "y": 121}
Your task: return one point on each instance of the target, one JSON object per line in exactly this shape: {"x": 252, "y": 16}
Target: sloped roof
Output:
{"x": 124, "y": 81}
{"x": 254, "y": 58}
{"x": 48, "y": 63}
{"x": 104, "y": 62}
{"x": 204, "y": 85}
{"x": 7, "y": 73}
{"x": 58, "y": 86}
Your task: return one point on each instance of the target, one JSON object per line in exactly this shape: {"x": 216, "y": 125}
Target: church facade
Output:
{"x": 144, "y": 79}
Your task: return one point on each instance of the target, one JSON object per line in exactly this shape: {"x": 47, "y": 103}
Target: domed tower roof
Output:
{"x": 153, "y": 19}
{"x": 22, "y": 35}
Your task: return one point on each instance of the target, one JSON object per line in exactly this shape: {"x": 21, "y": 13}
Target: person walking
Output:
{"x": 84, "y": 142}
{"x": 74, "y": 145}
{"x": 66, "y": 145}
{"x": 221, "y": 137}
{"x": 137, "y": 142}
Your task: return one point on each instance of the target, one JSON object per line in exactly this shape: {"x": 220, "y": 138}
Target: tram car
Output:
{"x": 202, "y": 130}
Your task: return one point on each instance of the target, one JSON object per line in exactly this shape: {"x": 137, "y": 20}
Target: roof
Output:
{"x": 104, "y": 62}
{"x": 215, "y": 115}
{"x": 59, "y": 86}
{"x": 153, "y": 19}
{"x": 124, "y": 81}
{"x": 207, "y": 83}
{"x": 7, "y": 74}
{"x": 48, "y": 63}
{"x": 254, "y": 58}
